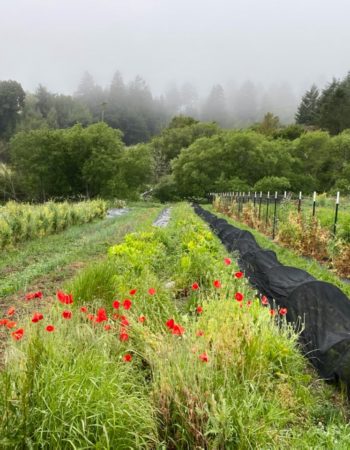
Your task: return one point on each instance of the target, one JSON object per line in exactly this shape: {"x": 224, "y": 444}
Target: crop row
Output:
{"x": 163, "y": 345}
{"x": 22, "y": 221}
{"x": 309, "y": 235}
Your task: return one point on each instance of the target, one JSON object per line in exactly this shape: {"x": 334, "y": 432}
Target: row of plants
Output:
{"x": 23, "y": 221}
{"x": 308, "y": 235}
{"x": 287, "y": 256}
{"x": 163, "y": 345}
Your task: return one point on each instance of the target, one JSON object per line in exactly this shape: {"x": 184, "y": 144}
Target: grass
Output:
{"x": 53, "y": 258}
{"x": 289, "y": 257}
{"x": 231, "y": 376}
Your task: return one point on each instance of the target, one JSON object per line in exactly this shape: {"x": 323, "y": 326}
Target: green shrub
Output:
{"x": 272, "y": 184}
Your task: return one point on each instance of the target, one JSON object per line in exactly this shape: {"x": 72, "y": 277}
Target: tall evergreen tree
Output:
{"x": 334, "y": 106}
{"x": 214, "y": 109}
{"x": 11, "y": 103}
{"x": 307, "y": 113}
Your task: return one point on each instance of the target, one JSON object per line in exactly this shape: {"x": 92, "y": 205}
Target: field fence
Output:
{"x": 267, "y": 206}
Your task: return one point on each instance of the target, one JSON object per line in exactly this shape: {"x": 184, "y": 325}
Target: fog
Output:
{"x": 279, "y": 47}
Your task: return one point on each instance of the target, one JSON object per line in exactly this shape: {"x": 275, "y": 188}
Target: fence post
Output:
{"x": 254, "y": 203}
{"x": 267, "y": 207}
{"x": 299, "y": 202}
{"x": 260, "y": 200}
{"x": 336, "y": 214}
{"x": 274, "y": 217}
{"x": 314, "y": 204}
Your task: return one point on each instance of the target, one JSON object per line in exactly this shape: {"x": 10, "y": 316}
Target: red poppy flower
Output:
{"x": 127, "y": 304}
{"x": 178, "y": 329}
{"x": 115, "y": 316}
{"x": 200, "y": 333}
{"x": 195, "y": 286}
{"x": 36, "y": 317}
{"x": 91, "y": 317}
{"x": 127, "y": 357}
{"x": 3, "y": 321}
{"x": 50, "y": 328}
{"x": 217, "y": 283}
{"x": 101, "y": 315}
{"x": 11, "y": 324}
{"x": 123, "y": 336}
{"x": 272, "y": 312}
{"x": 67, "y": 314}
{"x": 116, "y": 304}
{"x": 264, "y": 300}
{"x": 203, "y": 357}
{"x": 239, "y": 274}
{"x": 151, "y": 291}
{"x": 227, "y": 261}
{"x": 239, "y": 297}
{"x": 124, "y": 321}
{"x": 18, "y": 334}
{"x": 107, "y": 327}
{"x": 83, "y": 309}
{"x": 11, "y": 311}
{"x": 283, "y": 311}
{"x": 66, "y": 299}
{"x": 199, "y": 309}
{"x": 32, "y": 295}
{"x": 133, "y": 291}
{"x": 141, "y": 319}
{"x": 170, "y": 324}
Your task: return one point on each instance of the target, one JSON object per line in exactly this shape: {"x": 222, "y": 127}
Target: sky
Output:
{"x": 204, "y": 42}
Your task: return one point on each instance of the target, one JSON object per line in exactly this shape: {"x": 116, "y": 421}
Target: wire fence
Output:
{"x": 267, "y": 207}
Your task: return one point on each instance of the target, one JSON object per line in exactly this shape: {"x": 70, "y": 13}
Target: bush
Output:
{"x": 166, "y": 189}
{"x": 272, "y": 184}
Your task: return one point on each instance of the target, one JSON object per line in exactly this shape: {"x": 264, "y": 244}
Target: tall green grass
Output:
{"x": 71, "y": 389}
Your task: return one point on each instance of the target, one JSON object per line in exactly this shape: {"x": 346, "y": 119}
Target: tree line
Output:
{"x": 132, "y": 108}
{"x": 188, "y": 158}
{"x": 53, "y": 148}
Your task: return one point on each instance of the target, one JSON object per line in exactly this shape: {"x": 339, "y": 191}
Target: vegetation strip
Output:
{"x": 287, "y": 256}
{"x": 53, "y": 260}
{"x": 21, "y": 222}
{"x": 22, "y": 265}
{"x": 318, "y": 309}
{"x": 309, "y": 234}
{"x": 164, "y": 345}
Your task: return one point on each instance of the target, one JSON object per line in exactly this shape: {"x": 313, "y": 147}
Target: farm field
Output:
{"x": 308, "y": 235}
{"x": 22, "y": 222}
{"x": 43, "y": 264}
{"x": 162, "y": 344}
{"x": 288, "y": 256}
{"x": 324, "y": 211}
